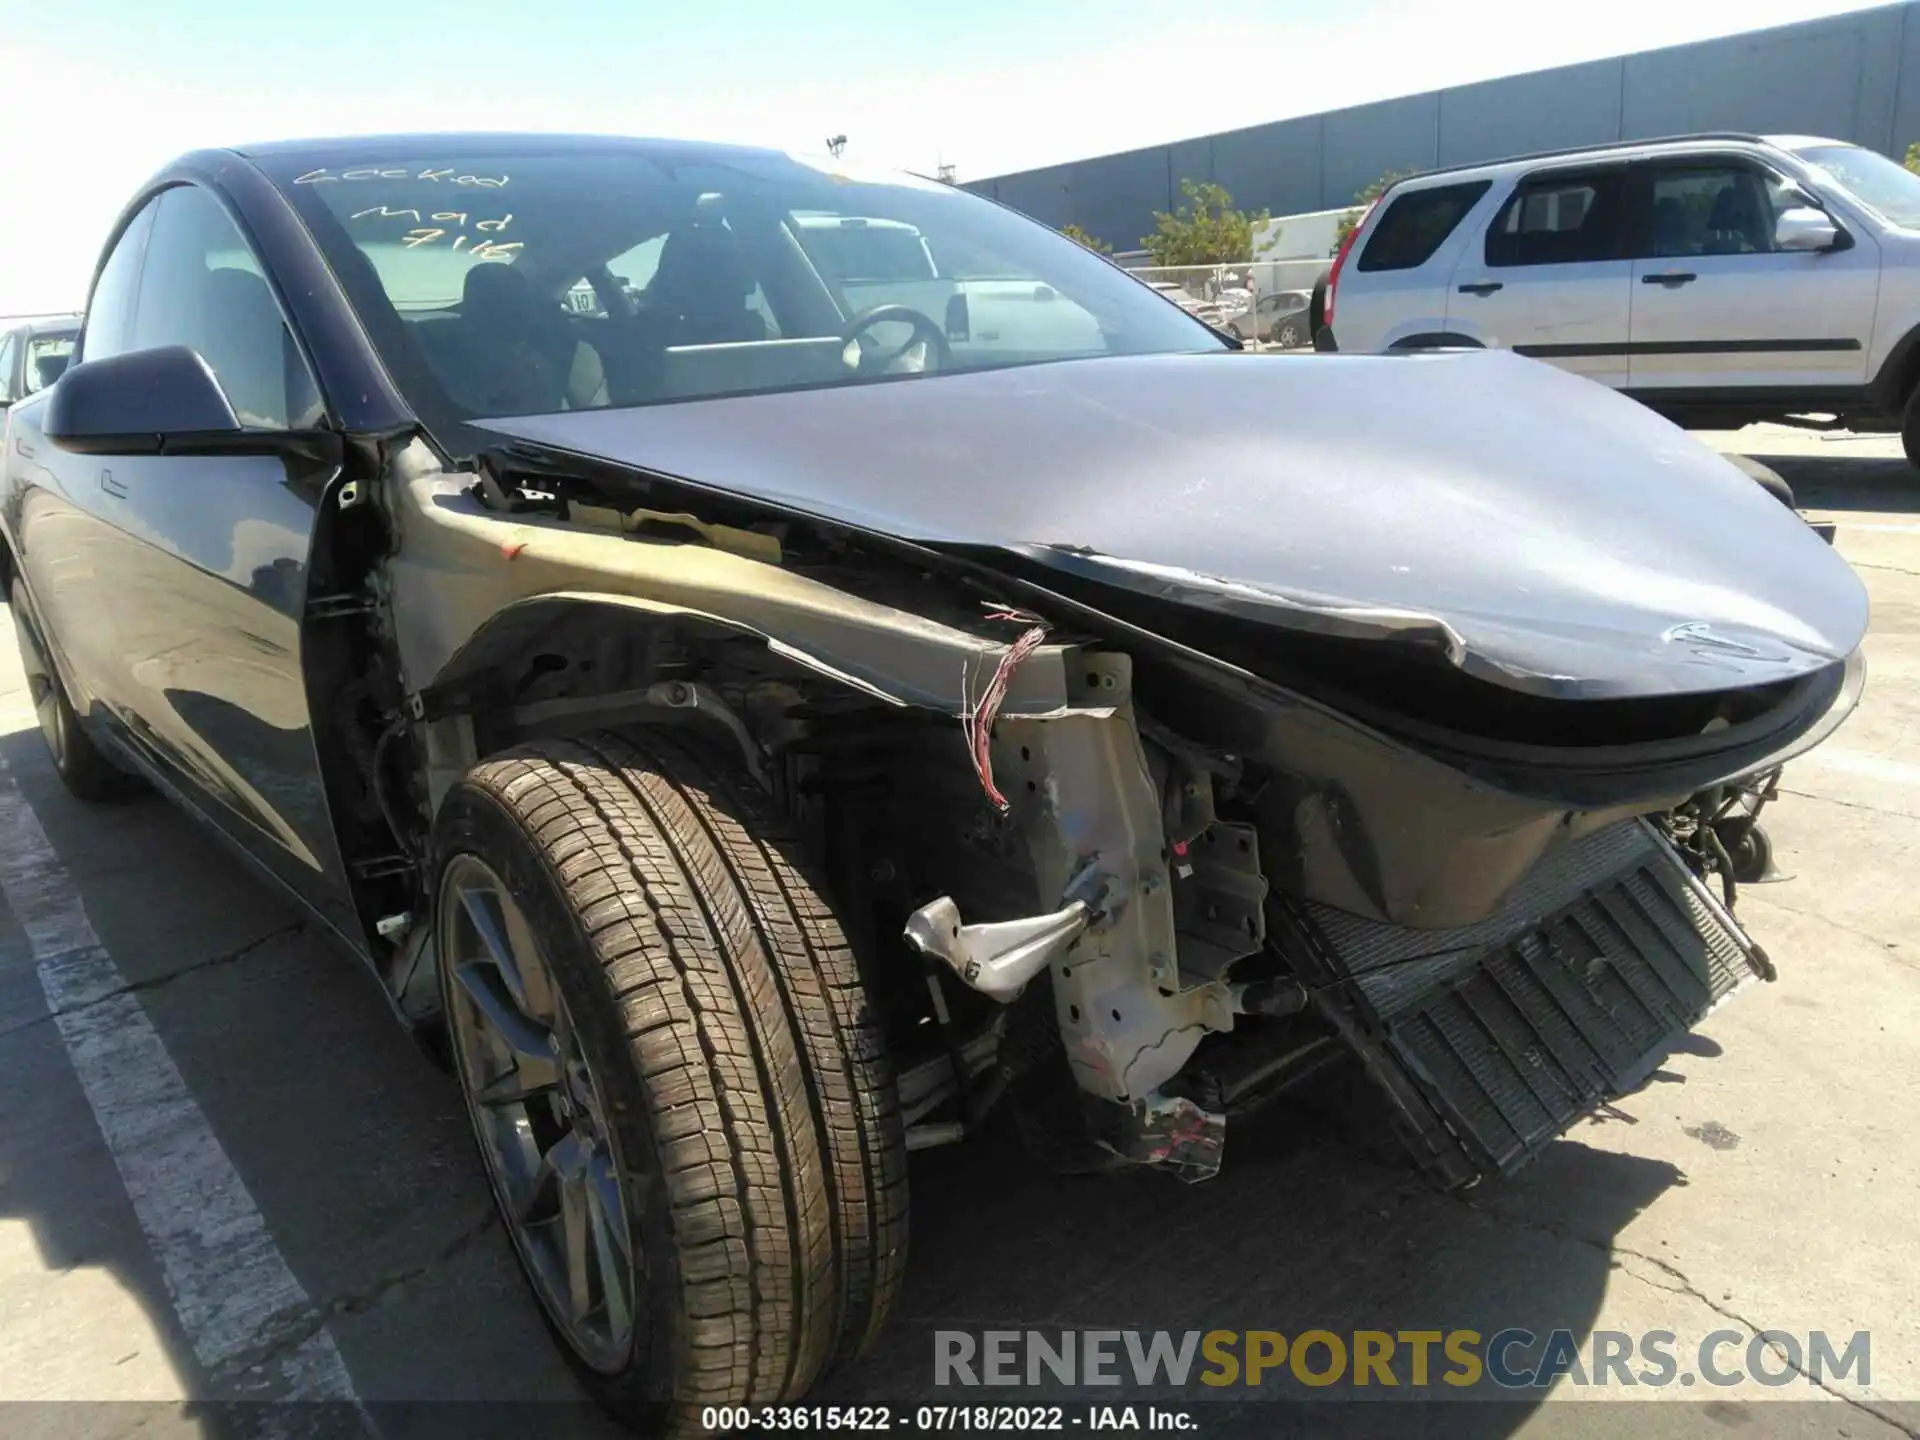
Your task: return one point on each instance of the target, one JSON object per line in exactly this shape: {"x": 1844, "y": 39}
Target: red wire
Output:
{"x": 978, "y": 724}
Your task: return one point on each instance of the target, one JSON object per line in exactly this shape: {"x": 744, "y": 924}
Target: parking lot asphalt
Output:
{"x": 1764, "y": 1179}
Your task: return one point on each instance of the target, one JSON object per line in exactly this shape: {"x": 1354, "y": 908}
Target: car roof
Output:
{"x": 47, "y": 325}
{"x": 351, "y": 150}
{"x": 1624, "y": 149}
{"x": 1807, "y": 142}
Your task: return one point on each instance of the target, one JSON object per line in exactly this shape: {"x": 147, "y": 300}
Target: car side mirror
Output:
{"x": 1805, "y": 228}
{"x": 164, "y": 401}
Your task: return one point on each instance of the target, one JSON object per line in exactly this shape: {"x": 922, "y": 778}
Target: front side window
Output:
{"x": 1417, "y": 223}
{"x": 1714, "y": 209}
{"x": 201, "y": 287}
{"x": 109, "y": 325}
{"x": 541, "y": 277}
{"x": 8, "y": 347}
{"x": 1558, "y": 220}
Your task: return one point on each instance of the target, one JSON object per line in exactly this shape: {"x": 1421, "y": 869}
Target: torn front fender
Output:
{"x": 472, "y": 588}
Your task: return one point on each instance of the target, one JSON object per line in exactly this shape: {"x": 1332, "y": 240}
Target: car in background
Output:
{"x": 1234, "y": 297}
{"x": 1205, "y": 311}
{"x": 864, "y": 248}
{"x": 1276, "y": 319}
{"x": 982, "y": 302}
{"x": 1168, "y": 290}
{"x": 1719, "y": 278}
{"x": 32, "y": 356}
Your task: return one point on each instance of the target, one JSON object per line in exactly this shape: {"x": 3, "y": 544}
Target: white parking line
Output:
{"x": 232, "y": 1291}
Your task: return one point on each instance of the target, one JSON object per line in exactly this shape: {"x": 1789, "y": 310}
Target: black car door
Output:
{"x": 206, "y": 585}
{"x": 64, "y": 518}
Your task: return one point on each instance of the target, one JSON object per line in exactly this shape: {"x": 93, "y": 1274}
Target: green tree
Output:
{"x": 1206, "y": 230}
{"x": 1363, "y": 200}
{"x": 1092, "y": 242}
{"x": 1912, "y": 162}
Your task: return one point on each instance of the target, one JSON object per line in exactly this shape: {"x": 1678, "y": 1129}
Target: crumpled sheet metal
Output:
{"x": 1554, "y": 530}
{"x": 467, "y": 573}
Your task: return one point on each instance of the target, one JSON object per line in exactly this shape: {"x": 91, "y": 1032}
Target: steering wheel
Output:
{"x": 923, "y": 329}
{"x": 611, "y": 294}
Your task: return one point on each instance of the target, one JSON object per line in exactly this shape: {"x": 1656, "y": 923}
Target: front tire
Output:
{"x": 86, "y": 772}
{"x": 1910, "y": 427}
{"x": 663, "y": 1040}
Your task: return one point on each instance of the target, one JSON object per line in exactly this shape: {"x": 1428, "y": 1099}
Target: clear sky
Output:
{"x": 97, "y": 94}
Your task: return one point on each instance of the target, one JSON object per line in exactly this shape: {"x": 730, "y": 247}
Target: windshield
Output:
{"x": 1891, "y": 191}
{"x": 542, "y": 279}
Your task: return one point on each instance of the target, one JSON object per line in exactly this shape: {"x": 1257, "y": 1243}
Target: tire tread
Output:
{"x": 769, "y": 1102}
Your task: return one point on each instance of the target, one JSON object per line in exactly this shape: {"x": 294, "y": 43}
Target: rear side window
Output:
{"x": 1416, "y": 223}
{"x": 1559, "y": 220}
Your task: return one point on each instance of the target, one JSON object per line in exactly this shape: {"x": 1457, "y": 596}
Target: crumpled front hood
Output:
{"x": 1549, "y": 535}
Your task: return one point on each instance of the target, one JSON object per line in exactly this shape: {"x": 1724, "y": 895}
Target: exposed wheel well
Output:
{"x": 569, "y": 663}
{"x": 884, "y": 794}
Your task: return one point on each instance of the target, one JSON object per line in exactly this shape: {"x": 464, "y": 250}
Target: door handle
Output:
{"x": 1672, "y": 279}
{"x": 112, "y": 486}
{"x": 1483, "y": 287}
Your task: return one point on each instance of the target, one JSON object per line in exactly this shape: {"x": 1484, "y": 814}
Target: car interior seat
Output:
{"x": 702, "y": 285}
{"x": 1736, "y": 225}
{"x": 1669, "y": 226}
{"x": 517, "y": 354}
{"x": 47, "y": 369}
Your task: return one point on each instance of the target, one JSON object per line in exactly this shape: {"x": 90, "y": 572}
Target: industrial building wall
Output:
{"x": 1851, "y": 77}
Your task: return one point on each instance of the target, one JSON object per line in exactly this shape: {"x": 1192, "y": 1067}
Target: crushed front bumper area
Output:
{"x": 1490, "y": 1040}
{"x": 1531, "y": 992}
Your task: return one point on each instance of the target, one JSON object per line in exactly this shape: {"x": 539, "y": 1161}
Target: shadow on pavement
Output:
{"x": 352, "y": 1146}
{"x": 1834, "y": 479}
{"x": 1312, "y": 1224}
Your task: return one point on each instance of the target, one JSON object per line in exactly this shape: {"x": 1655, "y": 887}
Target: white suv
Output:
{"x": 1720, "y": 278}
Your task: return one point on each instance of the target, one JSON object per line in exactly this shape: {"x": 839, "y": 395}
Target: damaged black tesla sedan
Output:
{"x": 774, "y": 667}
